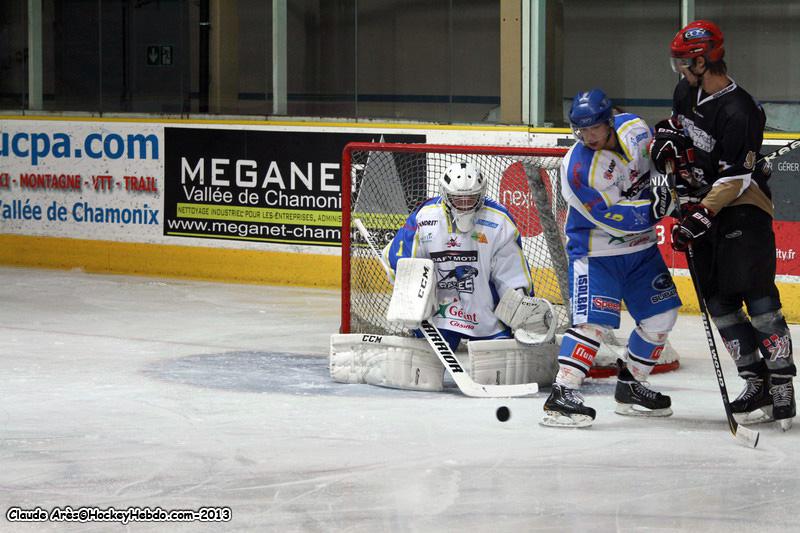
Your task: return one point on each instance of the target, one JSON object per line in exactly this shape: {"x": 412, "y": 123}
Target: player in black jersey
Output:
{"x": 713, "y": 138}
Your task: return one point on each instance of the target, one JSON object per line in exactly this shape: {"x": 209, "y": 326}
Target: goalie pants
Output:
{"x": 735, "y": 265}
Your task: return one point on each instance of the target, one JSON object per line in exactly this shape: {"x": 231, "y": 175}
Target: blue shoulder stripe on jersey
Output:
{"x": 411, "y": 221}
{"x": 494, "y": 204}
{"x": 622, "y": 118}
{"x": 580, "y": 162}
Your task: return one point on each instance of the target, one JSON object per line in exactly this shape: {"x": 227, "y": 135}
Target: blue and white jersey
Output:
{"x": 473, "y": 269}
{"x": 601, "y": 220}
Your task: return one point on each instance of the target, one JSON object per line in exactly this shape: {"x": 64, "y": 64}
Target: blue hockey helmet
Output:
{"x": 590, "y": 108}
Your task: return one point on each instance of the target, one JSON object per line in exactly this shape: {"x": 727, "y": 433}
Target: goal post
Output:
{"x": 382, "y": 183}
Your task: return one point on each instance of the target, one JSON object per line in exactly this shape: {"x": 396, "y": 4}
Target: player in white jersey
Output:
{"x": 477, "y": 254}
{"x": 613, "y": 258}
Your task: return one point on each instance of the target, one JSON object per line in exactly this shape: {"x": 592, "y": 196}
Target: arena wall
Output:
{"x": 165, "y": 197}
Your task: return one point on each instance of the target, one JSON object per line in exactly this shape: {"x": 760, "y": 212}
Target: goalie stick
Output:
{"x": 743, "y": 435}
{"x": 442, "y": 350}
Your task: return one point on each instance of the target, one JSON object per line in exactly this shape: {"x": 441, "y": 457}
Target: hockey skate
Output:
{"x": 635, "y": 399}
{"x": 564, "y": 408}
{"x": 783, "y": 405}
{"x": 754, "y": 403}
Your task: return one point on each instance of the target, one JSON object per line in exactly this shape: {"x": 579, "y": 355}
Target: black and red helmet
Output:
{"x": 699, "y": 38}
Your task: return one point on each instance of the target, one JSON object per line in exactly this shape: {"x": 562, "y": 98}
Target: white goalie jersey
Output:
{"x": 473, "y": 269}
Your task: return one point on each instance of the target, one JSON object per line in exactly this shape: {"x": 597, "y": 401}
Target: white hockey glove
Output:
{"x": 414, "y": 293}
{"x": 532, "y": 319}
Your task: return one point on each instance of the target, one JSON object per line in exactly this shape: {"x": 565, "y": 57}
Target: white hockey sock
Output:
{"x": 569, "y": 377}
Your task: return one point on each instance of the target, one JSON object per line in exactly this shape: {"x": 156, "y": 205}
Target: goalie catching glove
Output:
{"x": 532, "y": 319}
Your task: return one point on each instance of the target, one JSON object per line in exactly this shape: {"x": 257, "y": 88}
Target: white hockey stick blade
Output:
{"x": 746, "y": 437}
{"x": 464, "y": 382}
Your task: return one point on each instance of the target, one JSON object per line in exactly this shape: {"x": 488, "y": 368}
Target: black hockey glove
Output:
{"x": 669, "y": 144}
{"x": 696, "y": 220}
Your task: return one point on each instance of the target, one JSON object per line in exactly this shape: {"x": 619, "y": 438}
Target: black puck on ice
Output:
{"x": 503, "y": 413}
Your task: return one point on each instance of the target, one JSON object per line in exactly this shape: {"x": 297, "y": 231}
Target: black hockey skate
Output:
{"x": 564, "y": 408}
{"x": 635, "y": 399}
{"x": 754, "y": 403}
{"x": 783, "y": 406}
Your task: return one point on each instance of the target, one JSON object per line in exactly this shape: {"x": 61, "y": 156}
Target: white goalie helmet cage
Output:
{"x": 463, "y": 187}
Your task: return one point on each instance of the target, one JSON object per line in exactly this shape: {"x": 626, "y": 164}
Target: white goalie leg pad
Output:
{"x": 414, "y": 294}
{"x": 508, "y": 362}
{"x": 386, "y": 361}
{"x": 531, "y": 318}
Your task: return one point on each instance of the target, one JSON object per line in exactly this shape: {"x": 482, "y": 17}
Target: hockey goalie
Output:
{"x": 458, "y": 263}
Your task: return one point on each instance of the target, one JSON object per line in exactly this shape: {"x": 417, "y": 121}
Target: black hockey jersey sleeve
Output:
{"x": 740, "y": 141}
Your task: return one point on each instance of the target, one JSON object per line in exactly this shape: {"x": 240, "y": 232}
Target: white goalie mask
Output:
{"x": 463, "y": 188}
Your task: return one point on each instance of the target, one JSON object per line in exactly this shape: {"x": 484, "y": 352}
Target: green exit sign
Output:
{"x": 159, "y": 55}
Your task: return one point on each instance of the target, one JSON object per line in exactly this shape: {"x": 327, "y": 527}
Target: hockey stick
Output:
{"x": 780, "y": 152}
{"x": 637, "y": 187}
{"x": 442, "y": 350}
{"x": 743, "y": 435}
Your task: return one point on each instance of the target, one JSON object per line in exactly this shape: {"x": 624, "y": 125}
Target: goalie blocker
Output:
{"x": 413, "y": 297}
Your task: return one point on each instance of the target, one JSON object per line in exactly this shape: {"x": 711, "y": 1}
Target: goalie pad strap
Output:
{"x": 386, "y": 361}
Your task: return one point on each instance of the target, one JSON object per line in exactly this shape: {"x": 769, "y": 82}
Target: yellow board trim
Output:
{"x": 189, "y": 262}
{"x": 240, "y": 266}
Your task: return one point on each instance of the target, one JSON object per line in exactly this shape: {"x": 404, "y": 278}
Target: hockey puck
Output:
{"x": 503, "y": 413}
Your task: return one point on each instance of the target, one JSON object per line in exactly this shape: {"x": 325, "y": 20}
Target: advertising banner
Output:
{"x": 81, "y": 180}
{"x": 241, "y": 185}
{"x": 281, "y": 187}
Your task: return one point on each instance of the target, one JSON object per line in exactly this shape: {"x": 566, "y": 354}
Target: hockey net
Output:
{"x": 382, "y": 183}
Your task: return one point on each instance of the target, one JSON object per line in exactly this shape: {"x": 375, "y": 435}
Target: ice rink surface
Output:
{"x": 140, "y": 392}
